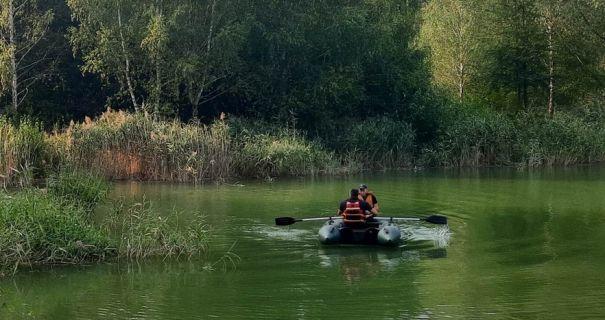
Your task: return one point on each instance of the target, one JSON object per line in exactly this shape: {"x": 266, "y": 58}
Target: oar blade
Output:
{"x": 284, "y": 221}
{"x": 436, "y": 219}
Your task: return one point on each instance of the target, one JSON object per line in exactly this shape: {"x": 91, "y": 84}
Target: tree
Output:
{"x": 22, "y": 30}
{"x": 157, "y": 50}
{"x": 109, "y": 36}
{"x": 208, "y": 38}
{"x": 448, "y": 31}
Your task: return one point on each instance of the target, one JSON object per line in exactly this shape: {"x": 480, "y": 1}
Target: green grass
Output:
{"x": 55, "y": 226}
{"x": 37, "y": 228}
{"x": 85, "y": 189}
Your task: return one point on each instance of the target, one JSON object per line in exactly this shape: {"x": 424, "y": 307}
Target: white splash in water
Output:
{"x": 280, "y": 233}
{"x": 439, "y": 235}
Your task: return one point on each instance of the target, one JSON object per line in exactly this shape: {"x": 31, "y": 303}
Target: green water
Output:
{"x": 520, "y": 245}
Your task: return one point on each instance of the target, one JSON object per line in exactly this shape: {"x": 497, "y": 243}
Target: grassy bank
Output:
{"x": 54, "y": 226}
{"x": 122, "y": 145}
{"x": 37, "y": 228}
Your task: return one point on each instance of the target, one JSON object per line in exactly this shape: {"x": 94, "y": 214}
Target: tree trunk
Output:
{"x": 195, "y": 102}
{"x": 158, "y": 71}
{"x": 127, "y": 63}
{"x": 13, "y": 54}
{"x": 461, "y": 81}
{"x": 158, "y": 86}
{"x": 551, "y": 69}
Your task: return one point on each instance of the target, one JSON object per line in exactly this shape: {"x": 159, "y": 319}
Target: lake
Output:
{"x": 520, "y": 245}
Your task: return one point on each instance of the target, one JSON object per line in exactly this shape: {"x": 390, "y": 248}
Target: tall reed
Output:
{"x": 22, "y": 152}
{"x": 471, "y": 137}
{"x": 378, "y": 143}
{"x": 133, "y": 146}
{"x": 141, "y": 232}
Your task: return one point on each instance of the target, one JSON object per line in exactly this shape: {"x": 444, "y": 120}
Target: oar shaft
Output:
{"x": 397, "y": 219}
{"x": 322, "y": 219}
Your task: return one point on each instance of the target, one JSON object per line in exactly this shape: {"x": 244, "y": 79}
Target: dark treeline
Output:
{"x": 298, "y": 61}
{"x": 318, "y": 66}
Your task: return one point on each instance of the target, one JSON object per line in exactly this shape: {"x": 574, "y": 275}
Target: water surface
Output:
{"x": 520, "y": 245}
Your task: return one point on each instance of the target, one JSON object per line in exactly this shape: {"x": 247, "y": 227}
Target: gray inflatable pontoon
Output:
{"x": 380, "y": 232}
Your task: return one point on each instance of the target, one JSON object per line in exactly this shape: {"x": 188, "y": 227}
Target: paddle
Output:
{"x": 286, "y": 221}
{"x": 435, "y": 219}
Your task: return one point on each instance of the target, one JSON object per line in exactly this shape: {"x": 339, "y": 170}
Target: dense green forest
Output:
{"x": 395, "y": 82}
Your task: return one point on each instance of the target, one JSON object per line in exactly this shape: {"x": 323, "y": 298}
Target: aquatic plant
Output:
{"x": 37, "y": 228}
{"x": 265, "y": 155}
{"x": 133, "y": 146}
{"x": 85, "y": 189}
{"x": 474, "y": 137}
{"x": 141, "y": 232}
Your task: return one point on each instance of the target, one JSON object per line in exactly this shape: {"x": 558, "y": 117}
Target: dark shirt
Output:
{"x": 362, "y": 204}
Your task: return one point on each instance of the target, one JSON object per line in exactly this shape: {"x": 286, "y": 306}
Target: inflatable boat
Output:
{"x": 377, "y": 231}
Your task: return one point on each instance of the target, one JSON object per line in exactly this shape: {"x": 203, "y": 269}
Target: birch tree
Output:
{"x": 22, "y": 29}
{"x": 210, "y": 34}
{"x": 108, "y": 37}
{"x": 448, "y": 32}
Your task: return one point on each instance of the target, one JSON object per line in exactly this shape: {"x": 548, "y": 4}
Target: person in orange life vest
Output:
{"x": 354, "y": 209}
{"x": 369, "y": 197}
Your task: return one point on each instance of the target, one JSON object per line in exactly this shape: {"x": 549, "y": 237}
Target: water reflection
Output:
{"x": 522, "y": 245}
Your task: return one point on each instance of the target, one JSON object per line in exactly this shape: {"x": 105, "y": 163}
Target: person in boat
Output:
{"x": 368, "y": 196}
{"x": 355, "y": 210}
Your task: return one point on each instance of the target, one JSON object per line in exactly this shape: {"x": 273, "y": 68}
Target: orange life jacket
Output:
{"x": 353, "y": 213}
{"x": 369, "y": 198}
